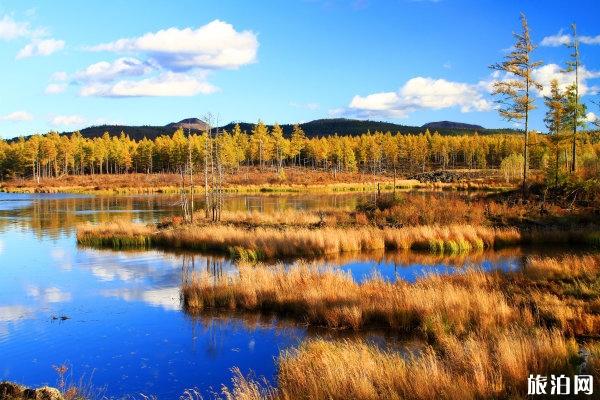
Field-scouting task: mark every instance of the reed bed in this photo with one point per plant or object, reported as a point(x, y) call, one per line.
point(489, 330)
point(116, 234)
point(566, 267)
point(269, 243)
point(477, 367)
point(331, 298)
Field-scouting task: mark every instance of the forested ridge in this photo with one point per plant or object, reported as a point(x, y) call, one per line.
point(54, 155)
point(319, 127)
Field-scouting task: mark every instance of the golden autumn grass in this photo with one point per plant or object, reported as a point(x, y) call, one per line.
point(474, 368)
point(255, 180)
point(332, 299)
point(242, 181)
point(488, 335)
point(434, 305)
point(269, 243)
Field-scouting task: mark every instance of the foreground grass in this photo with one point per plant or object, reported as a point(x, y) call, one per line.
point(474, 368)
point(487, 332)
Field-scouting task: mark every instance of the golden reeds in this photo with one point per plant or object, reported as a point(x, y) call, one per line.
point(331, 298)
point(269, 243)
point(474, 368)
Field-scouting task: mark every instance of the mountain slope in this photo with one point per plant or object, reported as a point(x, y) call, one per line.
point(452, 125)
point(319, 127)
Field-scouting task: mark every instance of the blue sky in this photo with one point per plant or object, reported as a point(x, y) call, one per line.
point(69, 64)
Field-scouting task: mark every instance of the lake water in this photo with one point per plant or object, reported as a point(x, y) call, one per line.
point(115, 318)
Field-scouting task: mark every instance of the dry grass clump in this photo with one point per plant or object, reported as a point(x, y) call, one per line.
point(289, 217)
point(567, 267)
point(331, 298)
point(268, 243)
point(561, 292)
point(477, 367)
point(424, 209)
point(115, 234)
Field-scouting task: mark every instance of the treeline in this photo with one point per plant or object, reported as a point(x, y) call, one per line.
point(54, 155)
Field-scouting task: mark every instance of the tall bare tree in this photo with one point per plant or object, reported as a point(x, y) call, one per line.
point(514, 89)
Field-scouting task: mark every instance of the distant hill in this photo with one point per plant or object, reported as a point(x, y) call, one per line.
point(319, 127)
point(452, 125)
point(189, 123)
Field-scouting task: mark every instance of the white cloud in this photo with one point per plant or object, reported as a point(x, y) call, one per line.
point(49, 295)
point(167, 298)
point(55, 88)
point(67, 120)
point(214, 45)
point(561, 39)
point(165, 84)
point(421, 93)
point(17, 116)
point(546, 73)
point(43, 47)
point(13, 313)
point(591, 117)
point(590, 39)
point(59, 76)
point(105, 71)
point(11, 29)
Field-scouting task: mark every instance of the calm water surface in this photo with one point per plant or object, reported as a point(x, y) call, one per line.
point(124, 328)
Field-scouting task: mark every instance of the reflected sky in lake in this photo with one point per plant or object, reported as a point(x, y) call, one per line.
point(115, 316)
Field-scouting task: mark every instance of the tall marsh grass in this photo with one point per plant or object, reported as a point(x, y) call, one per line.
point(269, 243)
point(332, 299)
point(477, 367)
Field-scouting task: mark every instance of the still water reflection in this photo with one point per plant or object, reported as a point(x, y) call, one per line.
point(116, 316)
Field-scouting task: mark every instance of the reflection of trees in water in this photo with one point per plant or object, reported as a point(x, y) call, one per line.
point(55, 217)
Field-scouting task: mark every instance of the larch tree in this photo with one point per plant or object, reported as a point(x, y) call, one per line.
point(554, 120)
point(574, 108)
point(514, 90)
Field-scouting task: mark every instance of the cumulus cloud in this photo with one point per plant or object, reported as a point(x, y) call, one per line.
point(561, 39)
point(67, 120)
point(55, 88)
point(105, 71)
point(168, 298)
point(216, 45)
point(420, 93)
point(590, 39)
point(39, 46)
point(43, 47)
point(546, 73)
point(14, 313)
point(591, 117)
point(165, 84)
point(17, 116)
point(11, 29)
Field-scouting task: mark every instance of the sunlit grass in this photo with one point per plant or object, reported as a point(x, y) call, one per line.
point(270, 243)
